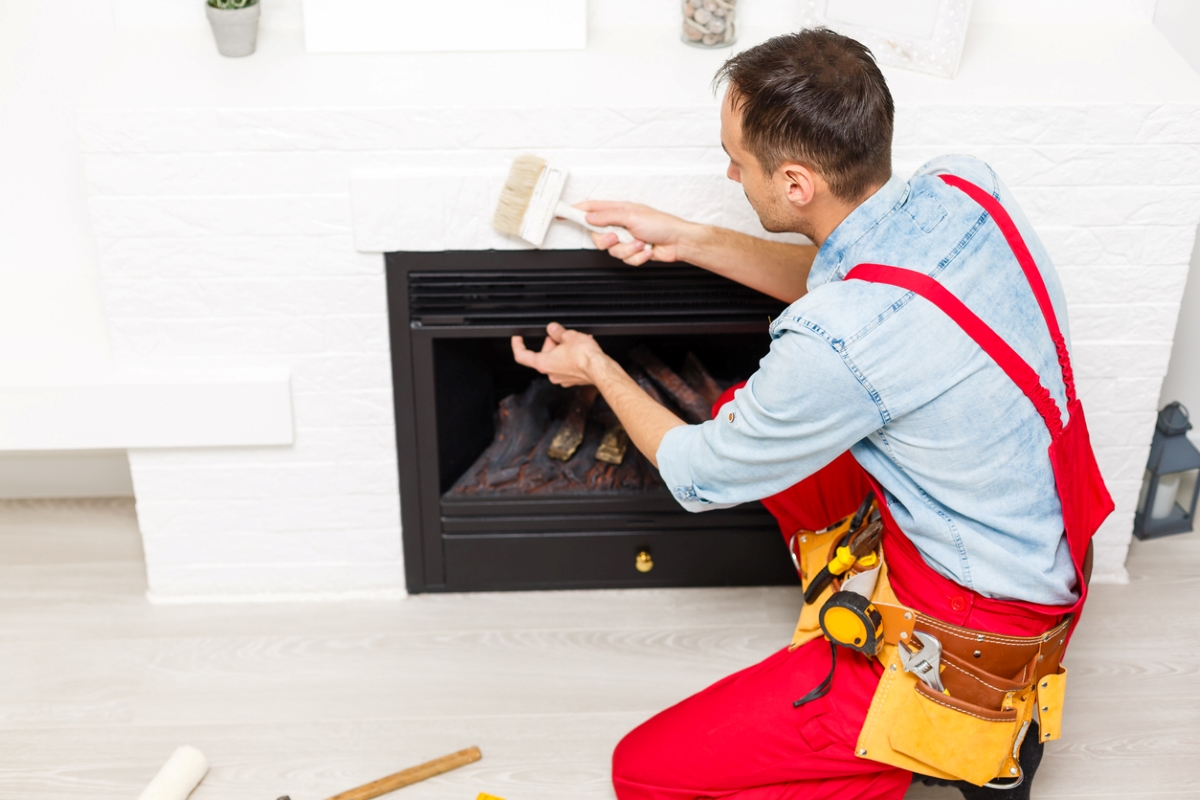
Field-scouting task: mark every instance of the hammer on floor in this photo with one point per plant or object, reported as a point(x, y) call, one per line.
point(409, 776)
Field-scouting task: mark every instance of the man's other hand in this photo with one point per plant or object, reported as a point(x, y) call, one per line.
point(662, 231)
point(567, 357)
point(571, 358)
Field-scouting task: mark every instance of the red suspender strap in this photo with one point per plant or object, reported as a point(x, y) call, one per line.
point(1032, 274)
point(1023, 375)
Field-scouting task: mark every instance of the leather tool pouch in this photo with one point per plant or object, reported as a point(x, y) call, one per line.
point(913, 727)
point(996, 684)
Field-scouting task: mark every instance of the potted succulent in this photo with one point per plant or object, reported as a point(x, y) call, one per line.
point(234, 24)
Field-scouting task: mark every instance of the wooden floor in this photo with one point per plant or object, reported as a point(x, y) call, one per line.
point(97, 687)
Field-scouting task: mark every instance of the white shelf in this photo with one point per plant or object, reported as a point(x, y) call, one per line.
point(134, 410)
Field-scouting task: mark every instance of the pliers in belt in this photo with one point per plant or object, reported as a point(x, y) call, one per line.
point(858, 543)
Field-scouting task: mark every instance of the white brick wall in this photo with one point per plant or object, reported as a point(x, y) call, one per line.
point(226, 237)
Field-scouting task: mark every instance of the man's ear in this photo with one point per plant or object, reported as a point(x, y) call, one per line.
point(800, 183)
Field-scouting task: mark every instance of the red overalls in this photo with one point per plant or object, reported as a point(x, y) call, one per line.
point(741, 737)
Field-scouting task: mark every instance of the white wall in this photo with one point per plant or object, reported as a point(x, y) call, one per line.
point(50, 320)
point(1179, 20)
point(142, 15)
point(1183, 375)
point(1063, 10)
point(51, 325)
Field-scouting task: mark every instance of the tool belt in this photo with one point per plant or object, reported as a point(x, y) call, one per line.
point(952, 702)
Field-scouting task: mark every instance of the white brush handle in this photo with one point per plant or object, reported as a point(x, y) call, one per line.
point(579, 217)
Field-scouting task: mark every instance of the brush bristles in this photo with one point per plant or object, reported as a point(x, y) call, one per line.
point(518, 191)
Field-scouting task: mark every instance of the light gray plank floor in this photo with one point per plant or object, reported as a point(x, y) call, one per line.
point(97, 687)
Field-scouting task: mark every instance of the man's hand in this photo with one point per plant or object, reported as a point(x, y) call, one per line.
point(571, 358)
point(566, 358)
point(775, 268)
point(649, 226)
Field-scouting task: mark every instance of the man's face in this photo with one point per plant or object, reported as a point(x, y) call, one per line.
point(766, 193)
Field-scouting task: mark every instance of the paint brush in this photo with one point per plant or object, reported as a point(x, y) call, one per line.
point(531, 199)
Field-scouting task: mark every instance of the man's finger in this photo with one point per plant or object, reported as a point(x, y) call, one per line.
point(615, 214)
point(604, 241)
point(599, 205)
point(554, 333)
point(640, 257)
point(522, 354)
point(627, 250)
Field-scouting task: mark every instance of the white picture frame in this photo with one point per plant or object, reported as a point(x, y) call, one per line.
point(921, 35)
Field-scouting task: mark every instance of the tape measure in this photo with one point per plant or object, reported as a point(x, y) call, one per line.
point(851, 620)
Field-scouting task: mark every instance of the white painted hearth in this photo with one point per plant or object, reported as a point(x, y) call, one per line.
point(240, 207)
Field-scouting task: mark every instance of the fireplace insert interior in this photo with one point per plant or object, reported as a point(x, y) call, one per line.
point(491, 496)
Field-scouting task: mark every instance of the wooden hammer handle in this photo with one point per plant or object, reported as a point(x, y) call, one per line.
point(411, 775)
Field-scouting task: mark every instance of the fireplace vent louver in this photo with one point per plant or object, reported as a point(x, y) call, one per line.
point(633, 295)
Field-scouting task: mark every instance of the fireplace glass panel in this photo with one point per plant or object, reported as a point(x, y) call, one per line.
point(472, 377)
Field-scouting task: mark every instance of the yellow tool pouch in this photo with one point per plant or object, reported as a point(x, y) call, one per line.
point(973, 731)
point(811, 551)
point(911, 726)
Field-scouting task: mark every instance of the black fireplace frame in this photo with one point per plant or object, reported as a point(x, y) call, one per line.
point(556, 542)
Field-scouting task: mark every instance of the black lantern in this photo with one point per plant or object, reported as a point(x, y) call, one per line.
point(1168, 501)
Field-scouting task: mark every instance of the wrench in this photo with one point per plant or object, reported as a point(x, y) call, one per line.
point(925, 663)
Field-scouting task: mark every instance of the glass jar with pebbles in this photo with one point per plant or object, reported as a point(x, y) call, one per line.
point(710, 23)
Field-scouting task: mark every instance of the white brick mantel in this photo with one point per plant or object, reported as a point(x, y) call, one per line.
point(221, 199)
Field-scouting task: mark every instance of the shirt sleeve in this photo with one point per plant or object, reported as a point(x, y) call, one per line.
point(803, 408)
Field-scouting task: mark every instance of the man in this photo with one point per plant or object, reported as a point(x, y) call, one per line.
point(948, 428)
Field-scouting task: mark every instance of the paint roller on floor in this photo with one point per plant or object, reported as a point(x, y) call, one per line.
point(181, 774)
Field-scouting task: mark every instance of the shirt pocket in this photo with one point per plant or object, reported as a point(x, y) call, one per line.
point(925, 209)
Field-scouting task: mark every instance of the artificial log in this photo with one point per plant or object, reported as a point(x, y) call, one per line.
point(554, 441)
point(521, 421)
point(569, 435)
point(614, 444)
point(692, 405)
point(700, 379)
point(647, 386)
point(518, 462)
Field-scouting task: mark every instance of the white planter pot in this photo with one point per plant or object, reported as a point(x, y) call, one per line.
point(235, 29)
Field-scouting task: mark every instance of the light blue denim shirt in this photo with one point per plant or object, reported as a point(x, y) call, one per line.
point(958, 448)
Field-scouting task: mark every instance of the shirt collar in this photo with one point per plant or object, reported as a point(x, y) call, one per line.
point(829, 263)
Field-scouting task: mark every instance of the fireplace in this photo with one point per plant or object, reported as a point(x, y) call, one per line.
point(482, 510)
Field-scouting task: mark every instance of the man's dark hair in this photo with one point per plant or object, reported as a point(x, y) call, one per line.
point(818, 98)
